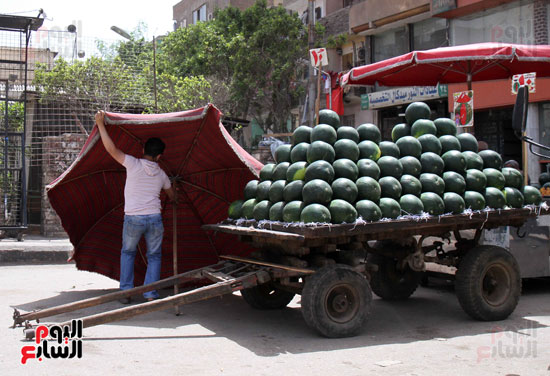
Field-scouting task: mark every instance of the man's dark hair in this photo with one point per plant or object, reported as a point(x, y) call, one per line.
point(153, 147)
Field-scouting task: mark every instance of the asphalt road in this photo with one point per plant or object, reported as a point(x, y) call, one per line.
point(428, 334)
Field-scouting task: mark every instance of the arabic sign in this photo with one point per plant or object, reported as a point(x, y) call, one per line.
point(402, 95)
point(318, 56)
point(522, 80)
point(464, 108)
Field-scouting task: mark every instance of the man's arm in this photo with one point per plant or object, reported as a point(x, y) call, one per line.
point(117, 154)
point(171, 193)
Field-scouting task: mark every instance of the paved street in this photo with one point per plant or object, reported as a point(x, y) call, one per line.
point(426, 335)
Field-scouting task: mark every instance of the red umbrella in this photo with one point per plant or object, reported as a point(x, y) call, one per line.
point(208, 168)
point(466, 63)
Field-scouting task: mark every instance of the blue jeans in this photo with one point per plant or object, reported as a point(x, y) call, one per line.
point(135, 226)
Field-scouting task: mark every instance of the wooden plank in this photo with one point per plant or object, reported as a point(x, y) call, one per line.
point(250, 231)
point(270, 264)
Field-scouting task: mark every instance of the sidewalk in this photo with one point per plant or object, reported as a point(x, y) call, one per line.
point(35, 249)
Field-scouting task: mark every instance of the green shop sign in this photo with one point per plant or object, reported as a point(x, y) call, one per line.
point(402, 95)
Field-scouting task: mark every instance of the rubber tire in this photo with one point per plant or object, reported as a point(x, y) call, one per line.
point(471, 281)
point(266, 297)
point(330, 283)
point(389, 283)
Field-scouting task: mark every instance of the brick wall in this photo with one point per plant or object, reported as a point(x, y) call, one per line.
point(59, 154)
point(541, 21)
point(336, 22)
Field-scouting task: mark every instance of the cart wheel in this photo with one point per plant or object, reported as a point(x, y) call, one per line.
point(391, 283)
point(267, 296)
point(488, 283)
point(336, 301)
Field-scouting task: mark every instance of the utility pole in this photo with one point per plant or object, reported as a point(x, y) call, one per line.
point(311, 82)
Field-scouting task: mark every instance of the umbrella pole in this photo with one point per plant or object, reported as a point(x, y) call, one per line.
point(175, 251)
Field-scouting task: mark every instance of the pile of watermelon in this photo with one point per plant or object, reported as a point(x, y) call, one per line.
point(337, 174)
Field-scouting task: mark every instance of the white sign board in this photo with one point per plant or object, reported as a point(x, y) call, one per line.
point(525, 79)
point(318, 57)
point(464, 108)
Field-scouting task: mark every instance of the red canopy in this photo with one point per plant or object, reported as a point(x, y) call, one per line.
point(466, 63)
point(208, 168)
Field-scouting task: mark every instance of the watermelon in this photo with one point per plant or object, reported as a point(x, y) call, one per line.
point(494, 198)
point(475, 180)
point(348, 133)
point(276, 211)
point(296, 171)
point(400, 130)
point(473, 160)
point(369, 150)
point(531, 195)
point(292, 211)
point(417, 110)
point(345, 168)
point(248, 208)
point(514, 198)
point(315, 213)
point(409, 146)
point(369, 132)
point(320, 150)
point(454, 182)
point(432, 163)
point(368, 210)
point(411, 166)
point(317, 191)
point(262, 193)
point(474, 200)
point(445, 126)
point(390, 166)
point(346, 149)
point(430, 143)
point(513, 177)
point(344, 189)
point(390, 208)
point(495, 178)
point(432, 183)
point(298, 153)
point(454, 203)
point(250, 189)
point(279, 172)
point(410, 185)
point(544, 178)
point(301, 134)
point(389, 149)
point(325, 133)
point(491, 159)
point(411, 204)
point(235, 210)
point(368, 167)
point(327, 116)
point(282, 154)
point(468, 142)
point(422, 127)
point(433, 204)
point(261, 210)
point(320, 170)
point(276, 190)
point(449, 143)
point(267, 171)
point(454, 161)
point(342, 211)
point(293, 191)
point(368, 189)
point(389, 187)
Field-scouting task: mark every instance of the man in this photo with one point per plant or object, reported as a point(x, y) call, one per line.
point(142, 217)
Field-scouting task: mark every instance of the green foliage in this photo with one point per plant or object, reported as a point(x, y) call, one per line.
point(16, 116)
point(176, 94)
point(336, 40)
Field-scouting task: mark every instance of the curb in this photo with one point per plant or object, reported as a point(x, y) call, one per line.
point(33, 257)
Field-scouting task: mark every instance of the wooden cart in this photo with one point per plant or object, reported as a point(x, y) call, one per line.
point(337, 267)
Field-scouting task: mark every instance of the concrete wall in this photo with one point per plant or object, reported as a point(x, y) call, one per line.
point(373, 10)
point(59, 154)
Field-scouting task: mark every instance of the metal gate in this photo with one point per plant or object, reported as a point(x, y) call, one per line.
point(15, 34)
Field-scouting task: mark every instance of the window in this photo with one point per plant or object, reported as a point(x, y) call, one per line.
point(390, 43)
point(199, 15)
point(318, 13)
point(430, 33)
point(346, 3)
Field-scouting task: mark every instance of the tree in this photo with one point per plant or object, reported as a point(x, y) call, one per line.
point(256, 52)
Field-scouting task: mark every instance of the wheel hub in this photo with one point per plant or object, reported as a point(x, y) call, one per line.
point(496, 284)
point(342, 303)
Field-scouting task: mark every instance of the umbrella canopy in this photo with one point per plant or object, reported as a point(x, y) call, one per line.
point(208, 168)
point(456, 64)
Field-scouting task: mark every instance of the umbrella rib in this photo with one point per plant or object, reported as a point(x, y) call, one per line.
point(195, 140)
point(95, 224)
point(204, 190)
point(89, 174)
